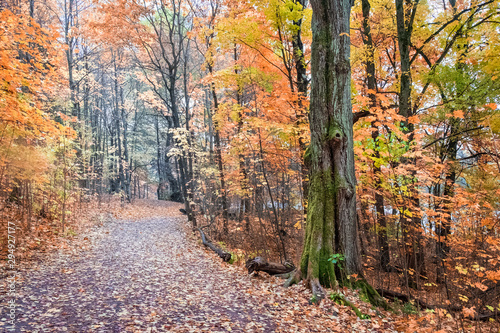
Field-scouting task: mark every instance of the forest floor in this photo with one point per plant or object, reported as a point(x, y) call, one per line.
point(145, 271)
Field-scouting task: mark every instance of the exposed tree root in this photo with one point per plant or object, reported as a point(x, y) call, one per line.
point(405, 298)
point(293, 278)
point(423, 305)
point(371, 294)
point(317, 291)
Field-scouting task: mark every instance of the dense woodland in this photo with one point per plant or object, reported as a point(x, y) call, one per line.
point(230, 108)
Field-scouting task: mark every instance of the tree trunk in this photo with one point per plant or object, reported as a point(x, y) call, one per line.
point(218, 157)
point(443, 229)
point(331, 217)
point(117, 121)
point(162, 188)
point(411, 225)
point(302, 88)
point(226, 256)
point(372, 88)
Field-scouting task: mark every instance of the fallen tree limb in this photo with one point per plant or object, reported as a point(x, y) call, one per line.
point(405, 298)
point(221, 253)
point(454, 308)
point(259, 264)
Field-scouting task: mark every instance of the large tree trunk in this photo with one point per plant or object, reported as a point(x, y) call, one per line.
point(331, 217)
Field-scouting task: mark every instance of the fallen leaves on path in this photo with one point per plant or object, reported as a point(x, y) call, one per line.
point(152, 275)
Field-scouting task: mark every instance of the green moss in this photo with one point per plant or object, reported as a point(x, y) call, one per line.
point(308, 155)
point(318, 245)
point(406, 308)
point(334, 131)
point(370, 294)
point(340, 299)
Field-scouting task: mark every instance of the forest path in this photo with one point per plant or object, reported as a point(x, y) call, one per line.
point(139, 275)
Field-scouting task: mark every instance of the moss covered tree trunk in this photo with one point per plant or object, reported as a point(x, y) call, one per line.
point(331, 215)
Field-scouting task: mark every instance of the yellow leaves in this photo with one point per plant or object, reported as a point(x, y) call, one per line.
point(494, 123)
point(478, 268)
point(461, 269)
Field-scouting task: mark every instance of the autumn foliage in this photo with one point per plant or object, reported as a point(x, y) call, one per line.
point(206, 102)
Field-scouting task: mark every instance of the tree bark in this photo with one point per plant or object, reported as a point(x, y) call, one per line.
point(331, 217)
point(259, 264)
point(218, 157)
point(221, 253)
point(372, 88)
point(411, 225)
point(302, 88)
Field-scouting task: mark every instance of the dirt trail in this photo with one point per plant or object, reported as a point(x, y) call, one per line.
point(145, 272)
point(138, 276)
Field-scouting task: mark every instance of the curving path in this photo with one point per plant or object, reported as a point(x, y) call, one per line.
point(140, 273)
point(139, 276)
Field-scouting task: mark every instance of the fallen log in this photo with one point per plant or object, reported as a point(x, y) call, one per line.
point(221, 253)
point(404, 298)
point(259, 264)
point(423, 305)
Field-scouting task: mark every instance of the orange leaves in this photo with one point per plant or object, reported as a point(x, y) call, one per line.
point(29, 78)
point(469, 312)
point(26, 68)
point(456, 114)
point(492, 106)
point(493, 275)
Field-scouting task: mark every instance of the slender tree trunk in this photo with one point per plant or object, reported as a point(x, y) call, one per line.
point(117, 123)
point(372, 88)
point(411, 225)
point(443, 230)
point(245, 201)
point(302, 88)
point(218, 158)
point(190, 185)
point(183, 171)
point(162, 190)
point(127, 167)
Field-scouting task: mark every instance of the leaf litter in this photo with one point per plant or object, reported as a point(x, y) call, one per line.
point(145, 271)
